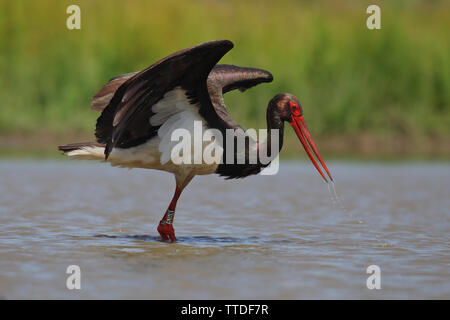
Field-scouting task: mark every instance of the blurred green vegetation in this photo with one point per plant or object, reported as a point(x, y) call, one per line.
point(350, 80)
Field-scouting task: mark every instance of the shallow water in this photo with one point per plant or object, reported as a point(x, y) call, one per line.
point(263, 237)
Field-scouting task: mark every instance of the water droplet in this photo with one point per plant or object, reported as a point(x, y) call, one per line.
point(334, 196)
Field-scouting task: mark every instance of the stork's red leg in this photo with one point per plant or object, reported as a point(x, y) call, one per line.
point(165, 227)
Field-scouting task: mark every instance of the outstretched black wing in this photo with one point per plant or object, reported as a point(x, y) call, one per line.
point(125, 121)
point(224, 78)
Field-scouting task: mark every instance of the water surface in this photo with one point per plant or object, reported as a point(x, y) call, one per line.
point(263, 237)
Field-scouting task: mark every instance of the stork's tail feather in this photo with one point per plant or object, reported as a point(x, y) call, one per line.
point(84, 150)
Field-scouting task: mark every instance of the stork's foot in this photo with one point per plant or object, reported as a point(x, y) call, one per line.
point(166, 231)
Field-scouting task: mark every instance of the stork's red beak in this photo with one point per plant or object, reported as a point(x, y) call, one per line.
point(299, 125)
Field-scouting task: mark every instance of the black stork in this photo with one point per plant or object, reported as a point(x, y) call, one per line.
point(141, 109)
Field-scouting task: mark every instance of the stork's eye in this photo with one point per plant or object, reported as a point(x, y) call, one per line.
point(295, 109)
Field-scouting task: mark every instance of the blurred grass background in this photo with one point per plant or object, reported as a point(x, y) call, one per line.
point(363, 92)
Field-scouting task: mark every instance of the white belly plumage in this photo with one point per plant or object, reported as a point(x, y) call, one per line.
point(145, 156)
point(172, 112)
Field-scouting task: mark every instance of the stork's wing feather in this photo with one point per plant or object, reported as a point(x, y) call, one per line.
point(224, 78)
point(102, 98)
point(230, 77)
point(126, 118)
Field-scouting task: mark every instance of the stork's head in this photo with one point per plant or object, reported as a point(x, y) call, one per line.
point(289, 109)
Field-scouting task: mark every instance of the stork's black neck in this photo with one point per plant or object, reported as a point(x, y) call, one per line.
point(235, 170)
point(274, 122)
